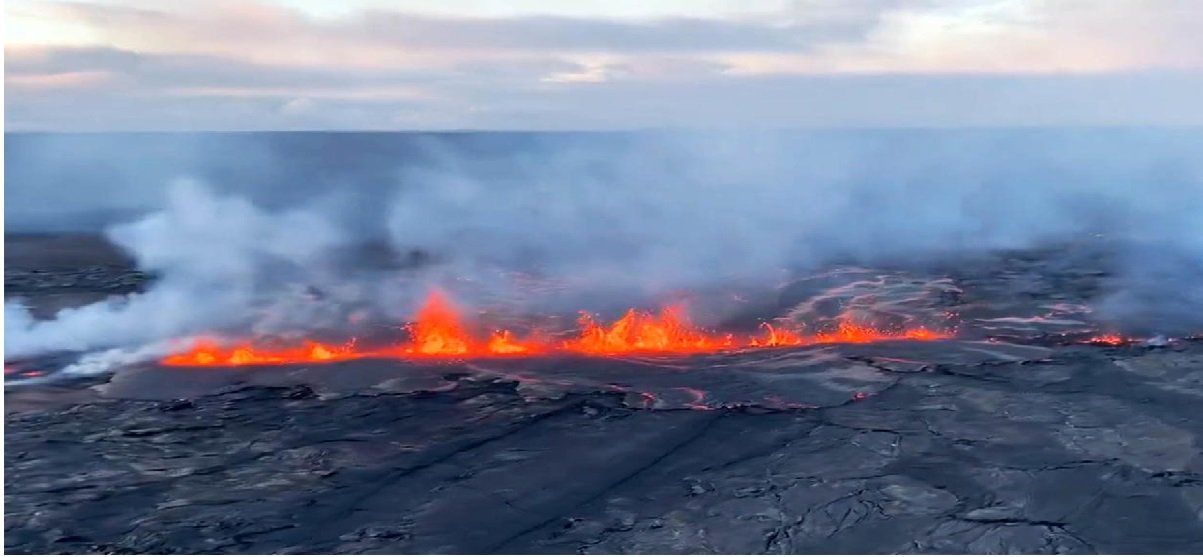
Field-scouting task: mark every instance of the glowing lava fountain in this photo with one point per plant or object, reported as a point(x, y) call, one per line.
point(439, 333)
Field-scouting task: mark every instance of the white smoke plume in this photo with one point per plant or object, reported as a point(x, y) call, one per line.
point(216, 256)
point(611, 219)
point(667, 211)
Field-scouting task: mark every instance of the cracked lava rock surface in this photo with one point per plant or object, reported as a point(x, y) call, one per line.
point(1026, 444)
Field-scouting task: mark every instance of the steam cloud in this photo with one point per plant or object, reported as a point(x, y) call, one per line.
point(217, 256)
point(629, 216)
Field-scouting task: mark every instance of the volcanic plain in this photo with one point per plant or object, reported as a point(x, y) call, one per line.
point(1035, 428)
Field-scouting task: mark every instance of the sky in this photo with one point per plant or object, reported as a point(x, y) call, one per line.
point(116, 65)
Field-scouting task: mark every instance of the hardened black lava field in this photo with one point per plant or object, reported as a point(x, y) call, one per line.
point(1031, 431)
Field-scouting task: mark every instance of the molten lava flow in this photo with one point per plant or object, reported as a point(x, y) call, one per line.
point(851, 333)
point(503, 342)
point(207, 353)
point(846, 333)
point(638, 331)
point(1107, 340)
point(776, 337)
point(438, 332)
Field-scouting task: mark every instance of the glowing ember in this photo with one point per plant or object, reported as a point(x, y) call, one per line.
point(438, 332)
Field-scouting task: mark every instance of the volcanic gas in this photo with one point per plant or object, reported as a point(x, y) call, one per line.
point(439, 332)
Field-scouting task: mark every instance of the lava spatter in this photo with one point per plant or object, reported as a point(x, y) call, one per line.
point(640, 331)
point(1109, 339)
point(438, 332)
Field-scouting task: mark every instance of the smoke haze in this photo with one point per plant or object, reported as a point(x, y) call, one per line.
point(261, 221)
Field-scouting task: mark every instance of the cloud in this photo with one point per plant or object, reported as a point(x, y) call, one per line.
point(189, 70)
point(665, 35)
point(240, 22)
point(718, 101)
point(237, 64)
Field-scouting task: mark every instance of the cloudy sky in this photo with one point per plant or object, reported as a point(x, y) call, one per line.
point(596, 64)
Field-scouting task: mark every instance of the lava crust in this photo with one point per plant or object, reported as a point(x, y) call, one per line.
point(1020, 435)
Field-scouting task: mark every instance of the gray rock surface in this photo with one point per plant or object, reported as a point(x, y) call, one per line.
point(1030, 444)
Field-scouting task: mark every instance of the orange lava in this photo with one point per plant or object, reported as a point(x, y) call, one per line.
point(1107, 340)
point(209, 353)
point(850, 333)
point(776, 337)
point(503, 342)
point(640, 331)
point(438, 332)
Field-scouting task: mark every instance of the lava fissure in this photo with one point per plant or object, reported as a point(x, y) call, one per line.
point(438, 332)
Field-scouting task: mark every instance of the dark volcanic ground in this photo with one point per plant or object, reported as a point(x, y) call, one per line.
point(1030, 442)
